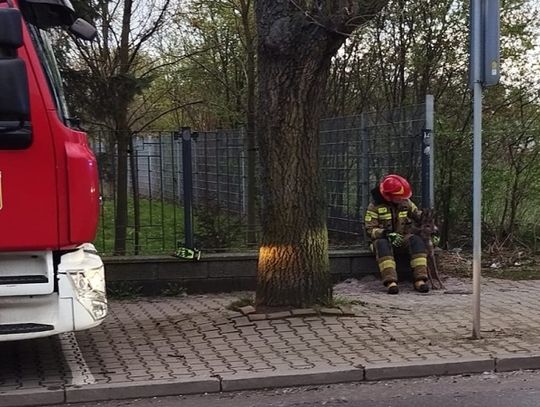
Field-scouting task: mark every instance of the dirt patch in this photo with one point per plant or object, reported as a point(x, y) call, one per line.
point(507, 265)
point(370, 284)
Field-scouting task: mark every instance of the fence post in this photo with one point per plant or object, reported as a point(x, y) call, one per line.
point(366, 188)
point(134, 166)
point(188, 186)
point(243, 174)
point(428, 196)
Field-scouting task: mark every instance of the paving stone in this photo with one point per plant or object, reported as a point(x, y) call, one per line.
point(347, 310)
point(227, 329)
point(207, 327)
point(278, 315)
point(222, 321)
point(331, 311)
point(248, 310)
point(242, 321)
point(143, 342)
point(264, 325)
point(303, 312)
point(257, 317)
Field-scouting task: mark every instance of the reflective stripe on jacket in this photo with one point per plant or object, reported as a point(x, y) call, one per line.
point(391, 217)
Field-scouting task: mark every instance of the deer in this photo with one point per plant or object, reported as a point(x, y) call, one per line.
point(425, 228)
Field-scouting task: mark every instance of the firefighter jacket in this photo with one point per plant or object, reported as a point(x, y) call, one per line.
point(382, 216)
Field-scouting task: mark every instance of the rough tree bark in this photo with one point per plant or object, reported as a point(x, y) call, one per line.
point(246, 12)
point(296, 42)
point(124, 138)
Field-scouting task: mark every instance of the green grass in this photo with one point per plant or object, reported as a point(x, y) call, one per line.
point(162, 225)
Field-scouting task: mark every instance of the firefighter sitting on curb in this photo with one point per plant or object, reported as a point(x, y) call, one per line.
point(388, 224)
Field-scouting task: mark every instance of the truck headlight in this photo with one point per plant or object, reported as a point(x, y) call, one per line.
point(89, 286)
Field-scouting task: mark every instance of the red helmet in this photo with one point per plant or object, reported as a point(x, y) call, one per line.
point(395, 187)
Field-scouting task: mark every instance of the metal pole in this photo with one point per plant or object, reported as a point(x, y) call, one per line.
point(188, 187)
point(366, 188)
point(430, 126)
point(476, 60)
point(425, 177)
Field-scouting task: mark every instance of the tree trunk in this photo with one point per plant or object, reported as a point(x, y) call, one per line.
point(251, 77)
point(124, 137)
point(121, 210)
point(296, 43)
point(293, 258)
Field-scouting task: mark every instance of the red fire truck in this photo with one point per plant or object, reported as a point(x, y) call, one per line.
point(51, 279)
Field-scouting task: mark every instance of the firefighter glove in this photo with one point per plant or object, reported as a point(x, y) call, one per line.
point(187, 253)
point(396, 239)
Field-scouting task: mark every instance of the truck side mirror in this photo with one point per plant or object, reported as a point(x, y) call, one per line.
point(57, 13)
point(14, 98)
point(83, 30)
point(14, 93)
point(10, 28)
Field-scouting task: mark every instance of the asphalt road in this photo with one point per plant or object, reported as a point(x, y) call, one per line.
point(516, 389)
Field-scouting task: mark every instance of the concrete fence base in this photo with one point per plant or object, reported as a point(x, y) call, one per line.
point(222, 272)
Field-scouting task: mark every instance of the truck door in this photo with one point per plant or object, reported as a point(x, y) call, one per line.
point(28, 184)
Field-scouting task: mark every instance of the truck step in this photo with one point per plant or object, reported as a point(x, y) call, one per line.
point(37, 279)
point(26, 273)
point(10, 329)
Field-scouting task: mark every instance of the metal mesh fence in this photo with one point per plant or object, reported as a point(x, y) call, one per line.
point(356, 152)
point(156, 183)
point(219, 169)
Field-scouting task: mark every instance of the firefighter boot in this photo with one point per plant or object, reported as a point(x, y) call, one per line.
point(387, 265)
point(419, 266)
point(392, 288)
point(421, 286)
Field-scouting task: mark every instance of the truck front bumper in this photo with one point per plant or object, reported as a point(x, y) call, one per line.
point(78, 303)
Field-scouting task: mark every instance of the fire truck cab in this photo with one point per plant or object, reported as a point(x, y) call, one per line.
point(51, 279)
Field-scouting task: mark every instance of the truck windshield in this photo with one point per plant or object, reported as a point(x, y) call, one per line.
point(48, 61)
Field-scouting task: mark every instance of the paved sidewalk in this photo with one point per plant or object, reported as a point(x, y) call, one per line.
point(165, 346)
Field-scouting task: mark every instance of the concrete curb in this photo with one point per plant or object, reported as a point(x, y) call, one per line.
point(254, 381)
point(257, 381)
point(31, 397)
point(428, 368)
point(154, 388)
point(510, 362)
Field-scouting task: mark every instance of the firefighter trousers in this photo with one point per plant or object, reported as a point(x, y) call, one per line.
point(414, 246)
